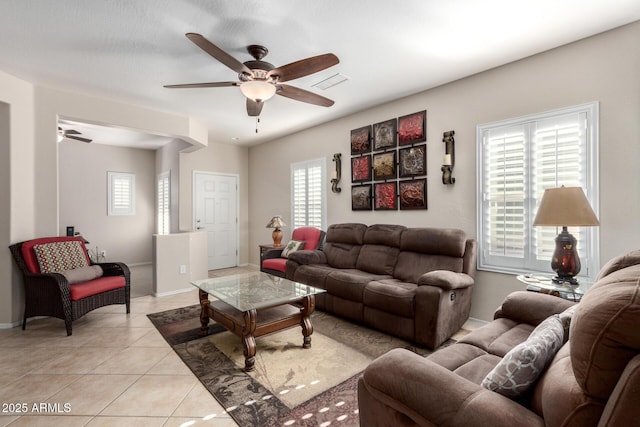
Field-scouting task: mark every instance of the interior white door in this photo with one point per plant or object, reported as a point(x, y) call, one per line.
point(215, 199)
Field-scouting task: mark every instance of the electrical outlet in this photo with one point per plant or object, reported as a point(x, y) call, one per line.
point(103, 253)
point(183, 269)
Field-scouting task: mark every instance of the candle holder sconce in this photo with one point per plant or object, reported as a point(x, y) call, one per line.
point(449, 157)
point(337, 174)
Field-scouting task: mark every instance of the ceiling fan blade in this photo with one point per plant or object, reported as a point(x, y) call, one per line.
point(303, 95)
point(304, 67)
point(193, 85)
point(218, 53)
point(71, 132)
point(254, 108)
point(78, 138)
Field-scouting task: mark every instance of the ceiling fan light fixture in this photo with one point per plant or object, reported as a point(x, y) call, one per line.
point(258, 90)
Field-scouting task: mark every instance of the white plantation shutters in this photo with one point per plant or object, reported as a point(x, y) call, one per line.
point(163, 197)
point(308, 194)
point(121, 193)
point(518, 159)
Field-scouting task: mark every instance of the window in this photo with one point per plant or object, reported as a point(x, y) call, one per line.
point(122, 193)
point(164, 202)
point(517, 160)
point(308, 194)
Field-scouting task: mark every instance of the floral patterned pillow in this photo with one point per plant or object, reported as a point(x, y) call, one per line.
point(520, 368)
point(292, 247)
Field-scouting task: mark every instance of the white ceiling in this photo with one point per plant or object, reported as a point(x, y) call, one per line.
point(128, 49)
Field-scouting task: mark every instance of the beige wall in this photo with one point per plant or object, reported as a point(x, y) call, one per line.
point(168, 159)
point(18, 185)
point(603, 68)
point(83, 198)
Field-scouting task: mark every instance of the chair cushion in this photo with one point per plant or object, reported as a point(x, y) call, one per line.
point(83, 274)
point(96, 286)
point(309, 235)
point(278, 264)
point(59, 256)
point(29, 255)
point(520, 368)
point(291, 247)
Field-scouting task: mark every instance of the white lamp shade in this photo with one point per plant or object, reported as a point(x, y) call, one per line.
point(257, 90)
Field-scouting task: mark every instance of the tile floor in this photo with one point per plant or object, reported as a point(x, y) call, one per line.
point(115, 369)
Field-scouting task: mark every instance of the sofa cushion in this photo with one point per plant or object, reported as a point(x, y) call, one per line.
point(59, 256)
point(499, 336)
point(342, 255)
point(83, 274)
point(391, 296)
point(96, 286)
point(377, 259)
point(291, 247)
point(349, 283)
point(441, 241)
point(351, 233)
point(313, 274)
point(521, 366)
point(604, 332)
point(412, 265)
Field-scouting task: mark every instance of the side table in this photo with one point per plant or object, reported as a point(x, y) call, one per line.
point(544, 284)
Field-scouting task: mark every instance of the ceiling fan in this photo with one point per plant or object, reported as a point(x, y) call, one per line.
point(71, 134)
point(260, 80)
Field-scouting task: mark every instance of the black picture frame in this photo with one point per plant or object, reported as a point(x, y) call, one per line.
point(412, 128)
point(412, 161)
point(385, 196)
point(384, 166)
point(361, 168)
point(412, 194)
point(361, 140)
point(361, 197)
point(385, 135)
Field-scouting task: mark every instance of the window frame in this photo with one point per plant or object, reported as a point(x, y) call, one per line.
point(307, 164)
point(130, 209)
point(591, 244)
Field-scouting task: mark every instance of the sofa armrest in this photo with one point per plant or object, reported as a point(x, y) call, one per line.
point(531, 307)
point(308, 256)
point(403, 382)
point(446, 279)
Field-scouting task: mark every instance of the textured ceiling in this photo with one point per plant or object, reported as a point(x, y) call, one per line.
point(128, 49)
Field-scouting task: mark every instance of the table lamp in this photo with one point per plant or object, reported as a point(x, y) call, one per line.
point(276, 223)
point(562, 207)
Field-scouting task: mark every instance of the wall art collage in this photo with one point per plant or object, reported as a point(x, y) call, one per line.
point(389, 164)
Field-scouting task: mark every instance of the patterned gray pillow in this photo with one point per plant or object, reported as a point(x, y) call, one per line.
point(520, 368)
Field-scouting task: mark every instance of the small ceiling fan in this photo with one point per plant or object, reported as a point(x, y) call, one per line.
point(71, 134)
point(260, 80)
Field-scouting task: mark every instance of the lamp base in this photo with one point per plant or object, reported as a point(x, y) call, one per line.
point(277, 238)
point(565, 261)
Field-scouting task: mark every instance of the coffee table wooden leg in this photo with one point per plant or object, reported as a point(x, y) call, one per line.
point(204, 312)
point(308, 306)
point(248, 340)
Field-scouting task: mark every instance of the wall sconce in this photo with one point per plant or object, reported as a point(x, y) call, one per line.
point(336, 175)
point(449, 159)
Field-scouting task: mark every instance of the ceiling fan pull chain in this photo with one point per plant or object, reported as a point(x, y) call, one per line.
point(257, 121)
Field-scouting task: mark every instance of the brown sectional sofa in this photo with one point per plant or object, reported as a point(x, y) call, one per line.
point(414, 283)
point(592, 380)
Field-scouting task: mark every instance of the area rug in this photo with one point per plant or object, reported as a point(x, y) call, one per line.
point(290, 386)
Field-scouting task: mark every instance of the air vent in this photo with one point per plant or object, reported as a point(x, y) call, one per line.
point(331, 81)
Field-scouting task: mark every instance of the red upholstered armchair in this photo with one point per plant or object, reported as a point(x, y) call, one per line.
point(274, 262)
point(60, 280)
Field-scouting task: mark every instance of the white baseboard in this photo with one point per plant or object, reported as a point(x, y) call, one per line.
point(179, 291)
point(138, 264)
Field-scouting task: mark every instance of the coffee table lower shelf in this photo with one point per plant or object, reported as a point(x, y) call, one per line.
point(248, 325)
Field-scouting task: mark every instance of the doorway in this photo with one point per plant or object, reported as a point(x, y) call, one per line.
point(216, 211)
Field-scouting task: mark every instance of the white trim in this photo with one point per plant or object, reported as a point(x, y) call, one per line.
point(168, 294)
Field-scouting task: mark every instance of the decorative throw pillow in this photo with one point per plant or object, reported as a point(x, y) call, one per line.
point(83, 274)
point(520, 368)
point(292, 247)
point(60, 256)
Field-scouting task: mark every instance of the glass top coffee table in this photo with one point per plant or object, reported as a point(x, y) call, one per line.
point(254, 304)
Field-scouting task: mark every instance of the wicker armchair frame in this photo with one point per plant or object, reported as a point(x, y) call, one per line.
point(49, 294)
